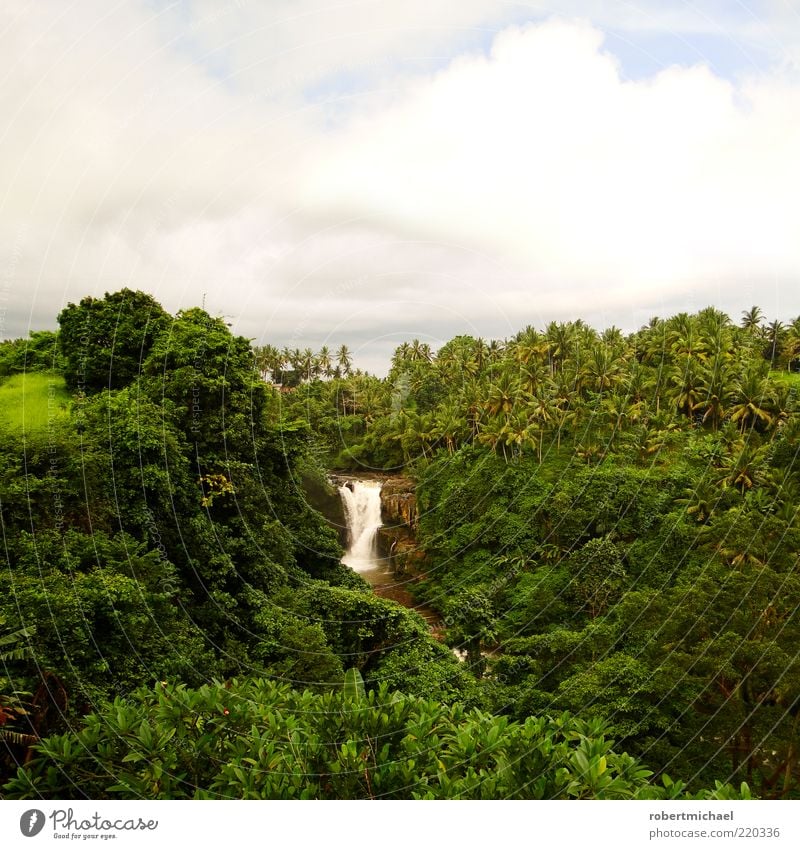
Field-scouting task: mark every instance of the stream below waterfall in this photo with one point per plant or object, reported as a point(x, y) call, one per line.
point(362, 509)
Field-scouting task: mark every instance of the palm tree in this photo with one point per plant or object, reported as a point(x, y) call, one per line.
point(646, 441)
point(602, 368)
point(400, 357)
point(774, 335)
point(701, 500)
point(751, 319)
point(618, 412)
point(680, 324)
point(712, 407)
point(783, 403)
point(420, 351)
point(502, 395)
point(344, 360)
point(541, 413)
point(686, 385)
point(285, 363)
point(562, 416)
point(491, 433)
point(688, 342)
point(307, 363)
point(529, 347)
point(14, 645)
point(790, 353)
point(261, 361)
point(325, 361)
point(714, 395)
point(713, 321)
point(532, 376)
point(652, 343)
point(274, 361)
point(560, 339)
point(514, 434)
point(494, 351)
point(743, 471)
point(613, 338)
point(753, 398)
point(480, 353)
point(450, 426)
point(461, 358)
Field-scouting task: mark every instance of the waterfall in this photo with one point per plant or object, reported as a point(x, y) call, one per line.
point(362, 509)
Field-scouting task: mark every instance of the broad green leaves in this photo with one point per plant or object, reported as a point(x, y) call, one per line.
point(255, 739)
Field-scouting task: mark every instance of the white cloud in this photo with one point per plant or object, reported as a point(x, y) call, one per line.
point(543, 155)
point(173, 151)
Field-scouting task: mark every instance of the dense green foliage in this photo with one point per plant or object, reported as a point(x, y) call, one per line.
point(154, 530)
point(39, 352)
point(259, 740)
point(610, 529)
point(610, 525)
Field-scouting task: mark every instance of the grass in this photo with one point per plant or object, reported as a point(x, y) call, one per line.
point(30, 402)
point(788, 378)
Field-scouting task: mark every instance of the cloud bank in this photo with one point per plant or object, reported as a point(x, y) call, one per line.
point(375, 173)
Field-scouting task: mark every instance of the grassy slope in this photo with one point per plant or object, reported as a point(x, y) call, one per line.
point(787, 378)
point(29, 401)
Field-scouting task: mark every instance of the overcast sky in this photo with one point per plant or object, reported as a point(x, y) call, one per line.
point(368, 172)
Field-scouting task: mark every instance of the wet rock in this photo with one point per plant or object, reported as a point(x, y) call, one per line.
point(397, 538)
point(399, 502)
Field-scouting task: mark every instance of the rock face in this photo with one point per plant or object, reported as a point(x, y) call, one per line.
point(397, 538)
point(399, 502)
point(324, 497)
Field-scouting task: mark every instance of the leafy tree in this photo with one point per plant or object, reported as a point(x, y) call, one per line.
point(106, 340)
point(598, 575)
point(202, 376)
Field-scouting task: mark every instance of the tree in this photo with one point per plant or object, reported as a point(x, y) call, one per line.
point(502, 395)
point(791, 346)
point(344, 360)
point(751, 408)
point(472, 622)
point(598, 575)
point(715, 395)
point(775, 336)
point(39, 352)
point(325, 361)
point(13, 647)
point(202, 374)
point(105, 341)
point(751, 320)
point(686, 385)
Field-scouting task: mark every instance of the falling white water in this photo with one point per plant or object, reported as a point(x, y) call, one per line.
point(362, 509)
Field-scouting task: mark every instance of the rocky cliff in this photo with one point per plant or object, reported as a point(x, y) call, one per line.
point(397, 538)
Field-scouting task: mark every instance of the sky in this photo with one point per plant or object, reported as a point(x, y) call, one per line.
point(370, 172)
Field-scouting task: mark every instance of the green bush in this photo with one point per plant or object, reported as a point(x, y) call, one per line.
point(255, 739)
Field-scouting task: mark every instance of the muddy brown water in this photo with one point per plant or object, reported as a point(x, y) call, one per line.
point(385, 584)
